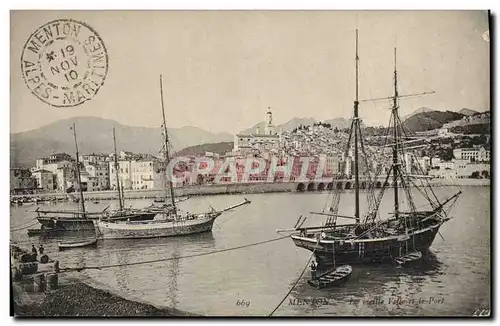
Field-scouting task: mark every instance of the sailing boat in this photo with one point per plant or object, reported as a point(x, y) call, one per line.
point(123, 213)
point(173, 222)
point(68, 220)
point(371, 239)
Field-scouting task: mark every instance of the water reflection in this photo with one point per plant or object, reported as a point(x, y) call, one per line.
point(374, 289)
point(121, 272)
point(173, 273)
point(212, 284)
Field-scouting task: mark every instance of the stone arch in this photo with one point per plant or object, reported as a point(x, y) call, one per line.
point(321, 186)
point(330, 186)
point(378, 184)
point(348, 185)
point(310, 187)
point(339, 185)
point(301, 187)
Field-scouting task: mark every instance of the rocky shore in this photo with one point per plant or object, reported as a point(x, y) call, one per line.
point(76, 299)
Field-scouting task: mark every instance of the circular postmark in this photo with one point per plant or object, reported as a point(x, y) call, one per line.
point(64, 63)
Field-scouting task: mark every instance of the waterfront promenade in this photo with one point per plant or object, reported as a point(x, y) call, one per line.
point(247, 188)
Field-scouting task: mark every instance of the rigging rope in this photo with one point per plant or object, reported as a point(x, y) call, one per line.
point(370, 193)
point(426, 184)
point(24, 223)
point(297, 281)
point(335, 193)
point(70, 269)
point(25, 227)
point(376, 204)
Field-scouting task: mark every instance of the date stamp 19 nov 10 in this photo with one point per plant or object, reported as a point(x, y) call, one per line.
point(64, 63)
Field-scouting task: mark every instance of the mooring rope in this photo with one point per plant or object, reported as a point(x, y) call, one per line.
point(24, 223)
point(24, 227)
point(70, 269)
point(297, 281)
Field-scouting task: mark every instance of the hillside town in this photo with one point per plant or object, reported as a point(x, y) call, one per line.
point(438, 153)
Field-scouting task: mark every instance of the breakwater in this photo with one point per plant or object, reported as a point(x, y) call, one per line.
point(248, 188)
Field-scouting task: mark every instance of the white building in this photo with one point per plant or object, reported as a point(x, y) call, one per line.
point(443, 173)
point(99, 171)
point(476, 154)
point(43, 164)
point(64, 178)
point(44, 179)
point(465, 170)
point(435, 161)
point(148, 174)
point(443, 165)
point(425, 163)
point(94, 158)
point(124, 173)
point(258, 142)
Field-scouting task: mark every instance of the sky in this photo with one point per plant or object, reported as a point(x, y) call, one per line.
point(222, 69)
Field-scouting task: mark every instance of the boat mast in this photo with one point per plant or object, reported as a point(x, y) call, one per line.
point(117, 175)
point(167, 157)
point(356, 128)
point(78, 171)
point(395, 160)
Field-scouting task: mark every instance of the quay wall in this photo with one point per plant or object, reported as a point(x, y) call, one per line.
point(247, 188)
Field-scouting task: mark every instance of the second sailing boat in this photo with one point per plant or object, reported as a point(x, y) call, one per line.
point(124, 213)
point(172, 222)
point(64, 220)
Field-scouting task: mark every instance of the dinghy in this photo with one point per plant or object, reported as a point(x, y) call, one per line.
point(334, 277)
point(77, 244)
point(409, 258)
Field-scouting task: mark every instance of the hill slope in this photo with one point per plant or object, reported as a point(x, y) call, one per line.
point(95, 135)
point(219, 148)
point(340, 123)
point(431, 120)
point(467, 112)
point(287, 126)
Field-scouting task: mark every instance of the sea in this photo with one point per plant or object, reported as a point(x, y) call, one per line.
point(454, 279)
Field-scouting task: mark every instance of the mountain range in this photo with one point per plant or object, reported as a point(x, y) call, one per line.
point(468, 112)
point(95, 136)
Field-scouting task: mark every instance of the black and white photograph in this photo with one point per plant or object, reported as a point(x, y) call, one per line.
point(250, 163)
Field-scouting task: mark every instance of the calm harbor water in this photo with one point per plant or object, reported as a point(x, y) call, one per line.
point(454, 280)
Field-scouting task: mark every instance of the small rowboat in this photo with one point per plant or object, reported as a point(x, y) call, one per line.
point(334, 277)
point(409, 258)
point(76, 244)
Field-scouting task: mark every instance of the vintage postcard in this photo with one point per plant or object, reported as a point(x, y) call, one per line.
point(250, 163)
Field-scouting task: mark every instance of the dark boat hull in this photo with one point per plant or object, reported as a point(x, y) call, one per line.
point(66, 224)
point(323, 285)
point(76, 224)
point(367, 251)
